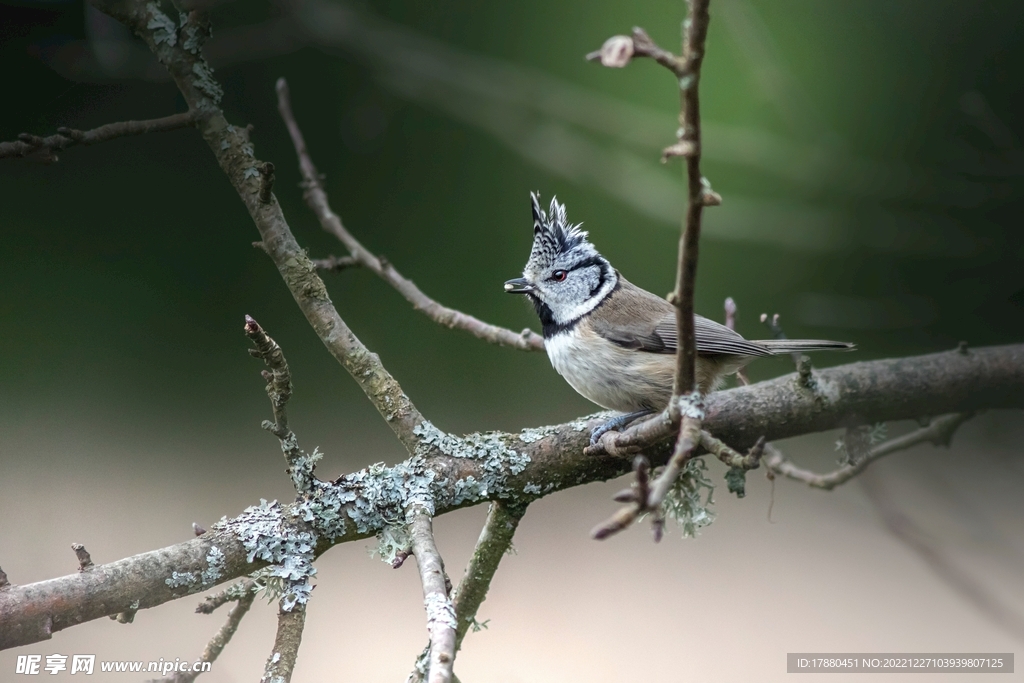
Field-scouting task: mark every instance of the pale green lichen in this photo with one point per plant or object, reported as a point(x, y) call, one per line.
point(214, 567)
point(193, 35)
point(179, 579)
point(268, 536)
point(685, 504)
point(532, 489)
point(379, 495)
point(440, 611)
point(302, 464)
point(251, 172)
point(497, 461)
point(533, 434)
point(392, 540)
point(206, 82)
point(163, 28)
point(322, 508)
point(375, 499)
point(858, 442)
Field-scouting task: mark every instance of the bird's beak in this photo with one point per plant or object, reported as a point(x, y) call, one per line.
point(518, 286)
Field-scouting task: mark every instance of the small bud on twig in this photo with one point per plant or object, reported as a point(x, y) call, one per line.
point(84, 560)
point(616, 52)
point(683, 148)
point(198, 530)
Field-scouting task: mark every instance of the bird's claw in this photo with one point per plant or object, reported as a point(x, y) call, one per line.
point(615, 424)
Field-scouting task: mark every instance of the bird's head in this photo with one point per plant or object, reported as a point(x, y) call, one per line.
point(565, 276)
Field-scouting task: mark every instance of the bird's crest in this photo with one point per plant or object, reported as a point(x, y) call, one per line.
point(552, 233)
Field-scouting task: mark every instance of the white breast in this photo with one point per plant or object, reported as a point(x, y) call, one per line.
point(609, 375)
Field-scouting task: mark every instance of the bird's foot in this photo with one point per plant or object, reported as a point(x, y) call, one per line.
point(616, 424)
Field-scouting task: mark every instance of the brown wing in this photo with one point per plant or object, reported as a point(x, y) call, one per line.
point(712, 338)
point(636, 319)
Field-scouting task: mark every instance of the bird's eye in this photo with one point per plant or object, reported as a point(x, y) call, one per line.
point(558, 275)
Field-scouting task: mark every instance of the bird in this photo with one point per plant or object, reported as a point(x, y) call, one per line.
point(613, 342)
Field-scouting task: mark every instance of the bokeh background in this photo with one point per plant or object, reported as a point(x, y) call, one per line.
point(870, 162)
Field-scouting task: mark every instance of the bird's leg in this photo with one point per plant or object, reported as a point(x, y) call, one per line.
point(617, 423)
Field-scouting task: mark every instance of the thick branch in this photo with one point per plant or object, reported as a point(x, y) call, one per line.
point(46, 148)
point(34, 612)
point(316, 199)
point(551, 459)
point(234, 153)
point(441, 622)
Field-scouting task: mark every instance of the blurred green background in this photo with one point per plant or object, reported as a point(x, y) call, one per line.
point(868, 155)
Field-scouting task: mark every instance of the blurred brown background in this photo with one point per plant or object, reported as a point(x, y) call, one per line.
point(870, 163)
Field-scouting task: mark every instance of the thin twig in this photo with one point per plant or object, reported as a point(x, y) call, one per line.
point(45, 148)
point(699, 195)
point(492, 546)
point(635, 497)
point(731, 312)
point(731, 457)
point(939, 432)
point(689, 438)
point(243, 594)
point(232, 593)
point(685, 393)
point(279, 378)
point(335, 263)
point(316, 199)
point(84, 559)
point(301, 465)
point(281, 662)
point(441, 623)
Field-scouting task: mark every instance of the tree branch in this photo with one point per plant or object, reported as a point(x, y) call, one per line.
point(243, 595)
point(301, 465)
point(281, 662)
point(234, 152)
point(695, 31)
point(494, 543)
point(459, 472)
point(441, 622)
point(46, 148)
point(316, 199)
point(939, 433)
point(685, 392)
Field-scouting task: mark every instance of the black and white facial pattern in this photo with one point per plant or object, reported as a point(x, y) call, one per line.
point(569, 277)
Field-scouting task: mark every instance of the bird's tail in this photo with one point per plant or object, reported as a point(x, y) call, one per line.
point(802, 345)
